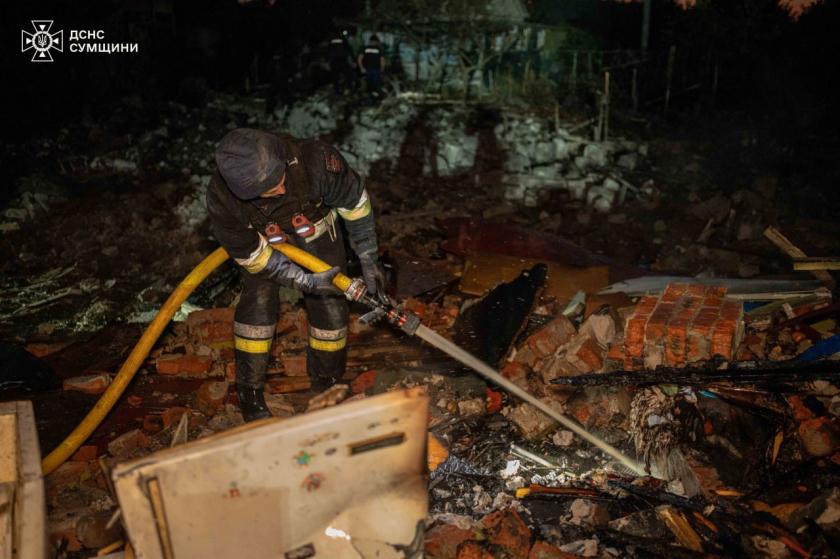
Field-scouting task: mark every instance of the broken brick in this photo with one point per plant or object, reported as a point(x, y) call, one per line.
point(294, 365)
point(586, 355)
point(40, 350)
point(134, 401)
point(472, 550)
point(173, 415)
point(198, 318)
point(443, 540)
point(547, 339)
point(513, 370)
point(217, 335)
point(86, 453)
point(801, 412)
point(544, 550)
point(89, 384)
point(192, 365)
point(363, 382)
point(211, 396)
point(525, 355)
point(819, 436)
point(506, 529)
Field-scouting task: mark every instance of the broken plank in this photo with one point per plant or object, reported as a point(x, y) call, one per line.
point(756, 374)
point(817, 263)
point(783, 243)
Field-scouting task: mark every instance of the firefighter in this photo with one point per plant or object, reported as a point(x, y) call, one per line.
point(340, 57)
point(269, 187)
point(372, 64)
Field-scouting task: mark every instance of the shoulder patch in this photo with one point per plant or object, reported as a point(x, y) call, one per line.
point(332, 162)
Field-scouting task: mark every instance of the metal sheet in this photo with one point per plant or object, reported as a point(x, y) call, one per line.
point(348, 481)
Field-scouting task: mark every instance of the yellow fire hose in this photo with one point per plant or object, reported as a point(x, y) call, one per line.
point(92, 420)
point(354, 290)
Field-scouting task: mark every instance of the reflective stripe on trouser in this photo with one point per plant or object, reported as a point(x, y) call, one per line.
point(326, 353)
point(253, 328)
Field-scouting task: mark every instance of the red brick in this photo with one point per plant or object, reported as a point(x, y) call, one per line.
point(40, 350)
point(506, 529)
point(696, 290)
point(551, 336)
point(294, 365)
point(363, 382)
point(588, 357)
point(134, 400)
point(442, 541)
point(217, 335)
point(800, 411)
point(634, 330)
point(646, 305)
point(85, 453)
point(544, 550)
point(657, 324)
point(514, 371)
point(716, 291)
point(173, 415)
point(95, 383)
point(675, 346)
point(192, 365)
point(673, 292)
point(731, 310)
point(230, 371)
point(221, 314)
point(616, 352)
point(211, 396)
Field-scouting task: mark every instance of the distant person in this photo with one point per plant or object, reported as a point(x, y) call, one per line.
point(372, 64)
point(340, 58)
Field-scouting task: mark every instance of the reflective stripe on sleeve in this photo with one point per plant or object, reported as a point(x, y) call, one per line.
point(361, 209)
point(257, 260)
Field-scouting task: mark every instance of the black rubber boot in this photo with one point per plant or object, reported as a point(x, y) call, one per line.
point(250, 383)
point(252, 403)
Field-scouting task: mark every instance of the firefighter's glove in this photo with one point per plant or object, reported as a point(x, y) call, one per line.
point(320, 283)
point(374, 276)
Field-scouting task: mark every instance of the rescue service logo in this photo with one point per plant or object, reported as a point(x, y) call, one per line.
point(41, 42)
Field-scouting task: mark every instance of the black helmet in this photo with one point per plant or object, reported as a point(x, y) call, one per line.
point(251, 161)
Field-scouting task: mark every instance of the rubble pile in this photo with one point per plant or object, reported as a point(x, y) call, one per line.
point(377, 134)
point(539, 160)
point(311, 117)
point(454, 147)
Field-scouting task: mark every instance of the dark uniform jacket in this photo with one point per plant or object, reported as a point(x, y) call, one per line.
point(318, 180)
